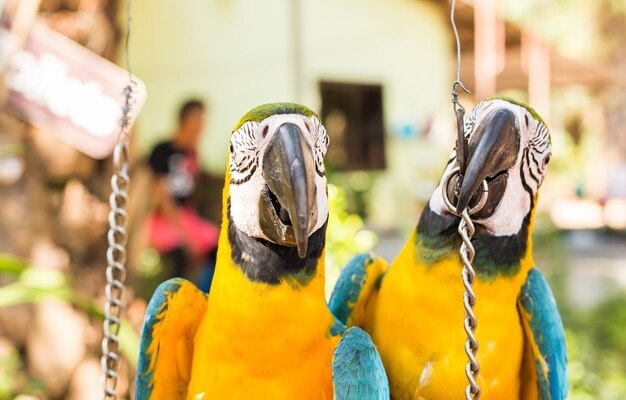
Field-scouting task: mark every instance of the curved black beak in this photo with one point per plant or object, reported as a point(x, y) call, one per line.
point(493, 149)
point(288, 209)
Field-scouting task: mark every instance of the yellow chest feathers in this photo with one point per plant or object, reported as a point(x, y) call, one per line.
point(416, 320)
point(261, 341)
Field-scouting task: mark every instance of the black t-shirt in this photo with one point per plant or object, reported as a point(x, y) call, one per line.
point(179, 167)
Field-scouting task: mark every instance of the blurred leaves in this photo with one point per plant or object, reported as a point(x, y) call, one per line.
point(31, 285)
point(597, 347)
point(10, 264)
point(346, 235)
point(35, 285)
point(607, 325)
point(10, 363)
point(596, 337)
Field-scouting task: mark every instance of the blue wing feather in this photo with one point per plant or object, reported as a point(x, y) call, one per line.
point(358, 372)
point(157, 304)
point(157, 313)
point(360, 276)
point(546, 335)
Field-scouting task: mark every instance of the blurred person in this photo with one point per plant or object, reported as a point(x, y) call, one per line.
point(186, 242)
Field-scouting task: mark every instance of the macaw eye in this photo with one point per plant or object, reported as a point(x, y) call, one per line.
point(546, 160)
point(235, 153)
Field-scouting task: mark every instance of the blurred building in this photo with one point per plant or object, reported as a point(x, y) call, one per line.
point(578, 91)
point(379, 73)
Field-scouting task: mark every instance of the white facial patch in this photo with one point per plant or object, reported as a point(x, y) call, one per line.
point(244, 205)
point(248, 145)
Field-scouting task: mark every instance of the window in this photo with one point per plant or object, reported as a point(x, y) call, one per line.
point(353, 117)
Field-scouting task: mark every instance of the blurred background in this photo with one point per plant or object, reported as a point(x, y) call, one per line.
point(378, 72)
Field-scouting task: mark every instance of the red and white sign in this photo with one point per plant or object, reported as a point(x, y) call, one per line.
point(62, 87)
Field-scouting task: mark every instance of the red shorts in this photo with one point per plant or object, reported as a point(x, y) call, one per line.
point(201, 235)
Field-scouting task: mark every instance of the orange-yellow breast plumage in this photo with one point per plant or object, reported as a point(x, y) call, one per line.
point(260, 341)
point(416, 320)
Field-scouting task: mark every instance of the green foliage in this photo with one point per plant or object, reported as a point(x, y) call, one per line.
point(11, 265)
point(596, 337)
point(597, 345)
point(346, 235)
point(607, 325)
point(32, 285)
point(10, 364)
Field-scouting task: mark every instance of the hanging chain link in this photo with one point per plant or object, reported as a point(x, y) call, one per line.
point(466, 230)
point(117, 237)
point(467, 252)
point(466, 227)
point(115, 271)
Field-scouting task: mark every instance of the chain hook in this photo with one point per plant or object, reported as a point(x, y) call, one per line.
point(456, 104)
point(457, 82)
point(462, 147)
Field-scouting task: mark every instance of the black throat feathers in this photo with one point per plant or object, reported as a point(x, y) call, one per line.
point(265, 262)
point(437, 238)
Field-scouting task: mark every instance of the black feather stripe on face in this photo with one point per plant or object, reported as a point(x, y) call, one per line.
point(532, 155)
point(525, 185)
point(321, 143)
point(244, 154)
point(527, 165)
point(245, 179)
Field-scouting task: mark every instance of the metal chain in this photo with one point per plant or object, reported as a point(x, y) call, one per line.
point(466, 227)
point(117, 237)
point(466, 230)
point(467, 253)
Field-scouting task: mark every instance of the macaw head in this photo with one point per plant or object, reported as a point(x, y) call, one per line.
point(510, 149)
point(277, 194)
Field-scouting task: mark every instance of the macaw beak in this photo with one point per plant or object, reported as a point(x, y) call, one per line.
point(493, 149)
point(287, 206)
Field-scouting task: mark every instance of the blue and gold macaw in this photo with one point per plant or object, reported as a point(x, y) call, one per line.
point(414, 310)
point(264, 331)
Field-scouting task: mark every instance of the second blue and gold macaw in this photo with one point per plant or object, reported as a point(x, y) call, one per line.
point(264, 331)
point(414, 310)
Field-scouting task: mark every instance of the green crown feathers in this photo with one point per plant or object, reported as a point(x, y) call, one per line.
point(531, 110)
point(259, 113)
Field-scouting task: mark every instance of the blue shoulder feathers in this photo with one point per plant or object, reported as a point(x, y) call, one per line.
point(357, 280)
point(545, 333)
point(158, 304)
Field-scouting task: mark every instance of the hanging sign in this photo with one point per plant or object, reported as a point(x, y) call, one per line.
point(61, 87)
